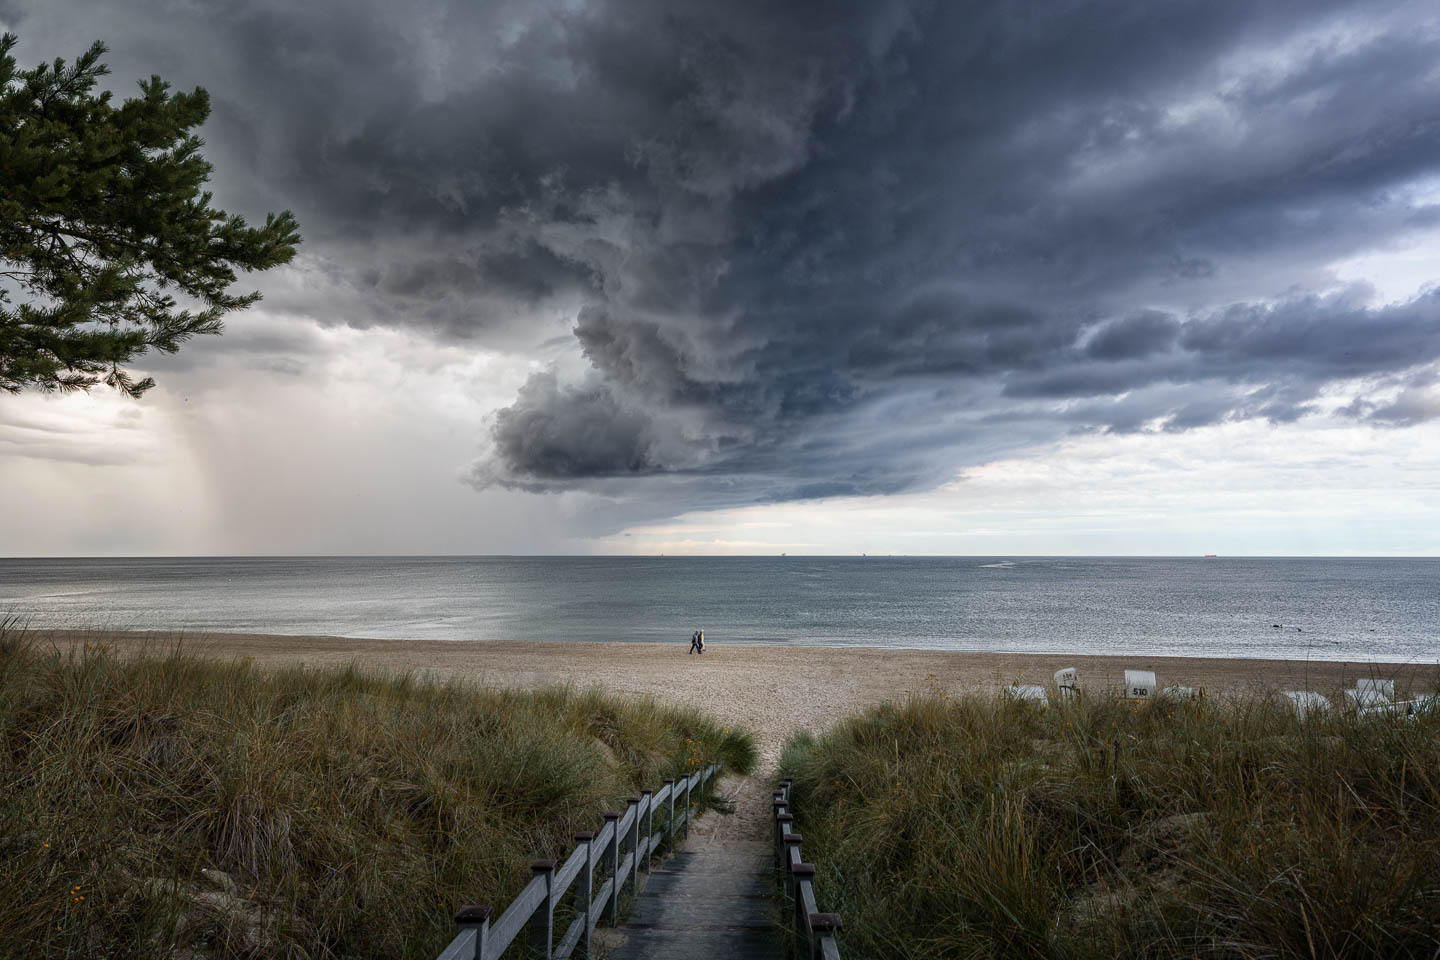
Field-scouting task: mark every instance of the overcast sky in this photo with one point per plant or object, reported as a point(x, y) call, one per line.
point(678, 276)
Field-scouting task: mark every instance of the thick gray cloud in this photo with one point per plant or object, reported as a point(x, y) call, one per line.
point(1132, 337)
point(811, 249)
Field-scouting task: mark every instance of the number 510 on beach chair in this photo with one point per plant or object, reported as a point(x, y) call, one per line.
point(1139, 685)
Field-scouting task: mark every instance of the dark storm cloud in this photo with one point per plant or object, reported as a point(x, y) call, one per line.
point(1313, 340)
point(570, 432)
point(813, 249)
point(1135, 336)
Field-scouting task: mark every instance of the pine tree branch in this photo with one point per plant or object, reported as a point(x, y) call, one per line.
point(101, 211)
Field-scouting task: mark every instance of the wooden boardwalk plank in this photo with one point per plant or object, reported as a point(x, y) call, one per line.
point(711, 900)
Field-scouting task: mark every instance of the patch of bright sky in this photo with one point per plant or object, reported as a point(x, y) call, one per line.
point(359, 452)
point(1406, 265)
point(1399, 273)
point(1321, 488)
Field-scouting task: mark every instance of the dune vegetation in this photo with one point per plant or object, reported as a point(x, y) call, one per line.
point(170, 806)
point(972, 827)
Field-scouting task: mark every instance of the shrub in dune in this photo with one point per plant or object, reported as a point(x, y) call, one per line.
point(975, 828)
point(171, 806)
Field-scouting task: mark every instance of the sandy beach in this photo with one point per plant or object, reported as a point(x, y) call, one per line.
point(772, 690)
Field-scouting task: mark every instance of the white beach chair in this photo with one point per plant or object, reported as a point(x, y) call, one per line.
point(1031, 693)
point(1384, 689)
point(1423, 703)
point(1067, 683)
point(1370, 692)
point(1305, 702)
point(1139, 685)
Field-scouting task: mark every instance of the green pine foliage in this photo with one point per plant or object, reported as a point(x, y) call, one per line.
point(108, 245)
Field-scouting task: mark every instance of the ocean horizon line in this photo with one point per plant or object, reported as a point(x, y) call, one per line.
point(727, 556)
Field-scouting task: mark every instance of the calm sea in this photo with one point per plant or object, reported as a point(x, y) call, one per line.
point(1382, 609)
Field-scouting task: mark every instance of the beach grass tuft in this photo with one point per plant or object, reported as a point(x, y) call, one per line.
point(167, 805)
point(969, 827)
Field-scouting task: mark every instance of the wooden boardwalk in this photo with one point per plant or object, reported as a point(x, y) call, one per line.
point(711, 900)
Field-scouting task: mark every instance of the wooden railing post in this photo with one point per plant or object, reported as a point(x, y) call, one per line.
point(800, 872)
point(542, 922)
point(823, 926)
point(796, 873)
point(632, 843)
point(647, 813)
point(782, 827)
point(612, 867)
point(550, 882)
point(670, 813)
point(477, 918)
point(792, 842)
point(816, 931)
point(584, 891)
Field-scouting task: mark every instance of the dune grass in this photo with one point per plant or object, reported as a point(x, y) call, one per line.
point(975, 828)
point(167, 805)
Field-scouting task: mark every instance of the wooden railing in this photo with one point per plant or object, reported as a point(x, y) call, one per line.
point(619, 850)
point(816, 932)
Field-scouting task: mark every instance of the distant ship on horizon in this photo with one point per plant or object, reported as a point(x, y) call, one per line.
point(1210, 556)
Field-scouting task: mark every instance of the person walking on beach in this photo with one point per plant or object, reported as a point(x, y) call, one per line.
point(700, 641)
point(695, 642)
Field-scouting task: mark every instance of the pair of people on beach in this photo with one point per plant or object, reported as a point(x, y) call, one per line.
point(697, 641)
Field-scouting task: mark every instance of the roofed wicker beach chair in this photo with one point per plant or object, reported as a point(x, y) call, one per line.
point(1031, 693)
point(1402, 708)
point(1422, 704)
point(1139, 685)
point(1067, 683)
point(1305, 702)
point(1370, 693)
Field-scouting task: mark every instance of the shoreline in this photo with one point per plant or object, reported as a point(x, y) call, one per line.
point(771, 689)
point(326, 640)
